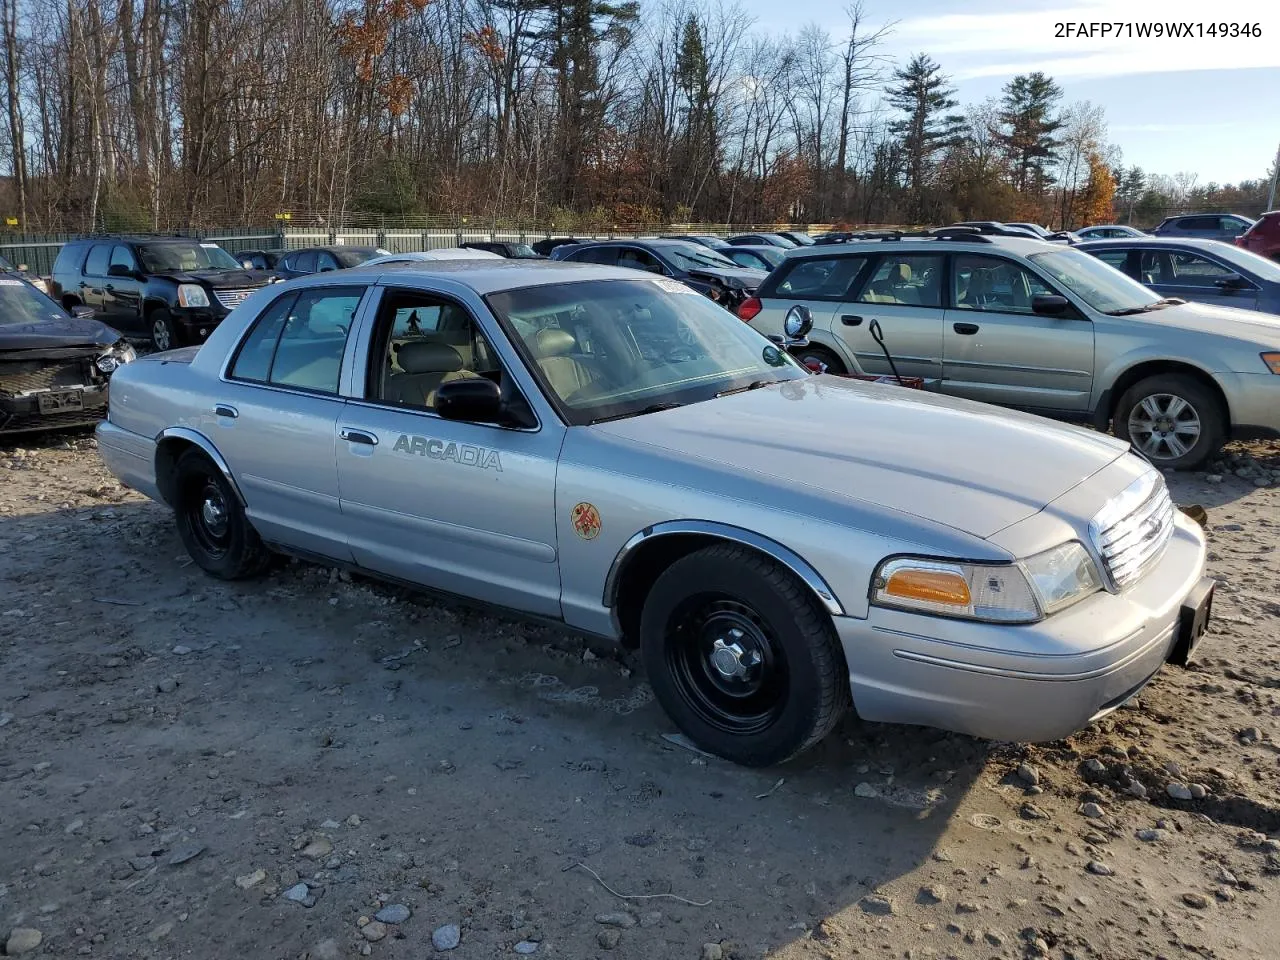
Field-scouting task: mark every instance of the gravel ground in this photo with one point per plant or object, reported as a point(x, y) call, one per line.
point(311, 766)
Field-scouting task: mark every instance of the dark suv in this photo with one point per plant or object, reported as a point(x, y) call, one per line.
point(1203, 226)
point(170, 290)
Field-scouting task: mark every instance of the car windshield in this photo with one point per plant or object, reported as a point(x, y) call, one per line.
point(1102, 287)
point(1259, 266)
point(1033, 227)
point(22, 303)
point(522, 250)
point(616, 348)
point(775, 255)
point(689, 256)
point(184, 257)
point(354, 256)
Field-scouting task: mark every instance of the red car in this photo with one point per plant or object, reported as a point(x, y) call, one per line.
point(1263, 238)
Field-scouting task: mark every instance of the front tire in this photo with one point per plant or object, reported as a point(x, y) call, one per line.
point(1172, 420)
point(163, 331)
point(742, 657)
point(212, 523)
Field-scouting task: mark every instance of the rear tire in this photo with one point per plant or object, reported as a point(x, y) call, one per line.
point(742, 657)
point(162, 330)
point(824, 356)
point(1172, 420)
point(212, 523)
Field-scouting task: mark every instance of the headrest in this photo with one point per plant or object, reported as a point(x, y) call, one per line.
point(901, 273)
point(426, 356)
point(552, 342)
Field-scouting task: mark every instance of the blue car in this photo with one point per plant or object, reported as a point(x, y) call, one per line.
point(1203, 226)
point(1206, 271)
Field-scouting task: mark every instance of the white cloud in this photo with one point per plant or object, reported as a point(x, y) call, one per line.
point(1004, 43)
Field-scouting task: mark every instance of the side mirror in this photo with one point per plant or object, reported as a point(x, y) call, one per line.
point(119, 270)
point(81, 312)
point(1233, 282)
point(23, 268)
point(1050, 305)
point(326, 269)
point(798, 322)
point(475, 400)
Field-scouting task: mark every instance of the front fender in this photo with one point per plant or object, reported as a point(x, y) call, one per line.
point(787, 557)
point(172, 437)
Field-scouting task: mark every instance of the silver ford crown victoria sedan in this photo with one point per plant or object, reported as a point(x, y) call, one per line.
point(616, 453)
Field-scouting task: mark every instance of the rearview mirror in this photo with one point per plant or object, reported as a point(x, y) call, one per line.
point(798, 322)
point(1049, 304)
point(474, 399)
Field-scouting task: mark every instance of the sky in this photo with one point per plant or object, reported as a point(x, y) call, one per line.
point(1205, 105)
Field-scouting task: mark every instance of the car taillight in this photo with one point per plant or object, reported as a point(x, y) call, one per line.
point(749, 309)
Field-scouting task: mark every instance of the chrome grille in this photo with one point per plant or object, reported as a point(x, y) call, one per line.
point(233, 298)
point(19, 377)
point(1131, 532)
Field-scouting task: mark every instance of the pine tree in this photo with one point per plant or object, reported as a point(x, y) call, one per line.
point(925, 95)
point(1027, 127)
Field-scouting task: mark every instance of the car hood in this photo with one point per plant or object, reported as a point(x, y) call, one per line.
point(57, 332)
point(745, 277)
point(220, 279)
point(970, 466)
point(1211, 318)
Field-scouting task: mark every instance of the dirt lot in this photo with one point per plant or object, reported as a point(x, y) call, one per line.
point(196, 769)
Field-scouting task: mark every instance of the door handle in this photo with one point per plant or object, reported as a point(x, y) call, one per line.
point(225, 410)
point(358, 436)
point(965, 329)
point(849, 320)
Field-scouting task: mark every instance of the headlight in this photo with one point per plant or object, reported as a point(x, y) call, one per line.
point(192, 295)
point(120, 353)
point(1021, 592)
point(1272, 360)
point(1062, 576)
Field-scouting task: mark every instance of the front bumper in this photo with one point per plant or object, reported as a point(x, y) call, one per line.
point(196, 323)
point(22, 413)
point(1254, 401)
point(1087, 660)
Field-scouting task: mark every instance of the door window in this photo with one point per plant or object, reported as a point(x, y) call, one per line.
point(1114, 258)
point(303, 262)
point(326, 261)
point(909, 280)
point(99, 259)
point(1189, 270)
point(299, 340)
point(123, 257)
point(994, 285)
point(1231, 225)
point(639, 260)
point(604, 255)
point(820, 278)
point(424, 342)
point(1198, 223)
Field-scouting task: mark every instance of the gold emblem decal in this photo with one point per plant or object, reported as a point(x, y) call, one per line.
point(586, 521)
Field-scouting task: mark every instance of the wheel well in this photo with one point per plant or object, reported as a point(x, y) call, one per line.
point(1155, 367)
point(167, 453)
point(69, 301)
point(151, 306)
point(649, 561)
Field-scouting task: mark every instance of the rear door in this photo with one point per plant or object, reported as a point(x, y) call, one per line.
point(1196, 276)
point(998, 351)
point(122, 292)
point(276, 424)
point(93, 279)
point(820, 283)
point(903, 291)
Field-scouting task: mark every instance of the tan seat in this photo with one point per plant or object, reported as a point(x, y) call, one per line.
point(566, 374)
point(426, 365)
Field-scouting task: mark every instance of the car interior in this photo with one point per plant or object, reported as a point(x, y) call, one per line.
point(430, 342)
point(998, 287)
point(908, 281)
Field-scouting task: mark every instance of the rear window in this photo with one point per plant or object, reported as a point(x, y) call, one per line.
point(818, 278)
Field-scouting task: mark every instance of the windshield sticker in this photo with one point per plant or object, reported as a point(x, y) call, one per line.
point(209, 246)
point(674, 286)
point(11, 283)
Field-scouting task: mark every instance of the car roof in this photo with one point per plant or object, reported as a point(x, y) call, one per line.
point(492, 276)
point(760, 246)
point(1193, 243)
point(980, 243)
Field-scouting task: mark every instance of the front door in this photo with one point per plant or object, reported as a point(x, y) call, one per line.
point(277, 423)
point(122, 293)
point(903, 291)
point(468, 508)
point(997, 350)
point(1197, 277)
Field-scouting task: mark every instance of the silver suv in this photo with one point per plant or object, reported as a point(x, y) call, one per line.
point(1039, 327)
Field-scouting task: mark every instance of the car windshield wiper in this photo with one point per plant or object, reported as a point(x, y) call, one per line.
point(651, 408)
point(753, 385)
point(1130, 311)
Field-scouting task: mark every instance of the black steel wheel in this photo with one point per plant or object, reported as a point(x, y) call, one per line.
point(211, 521)
point(741, 655)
